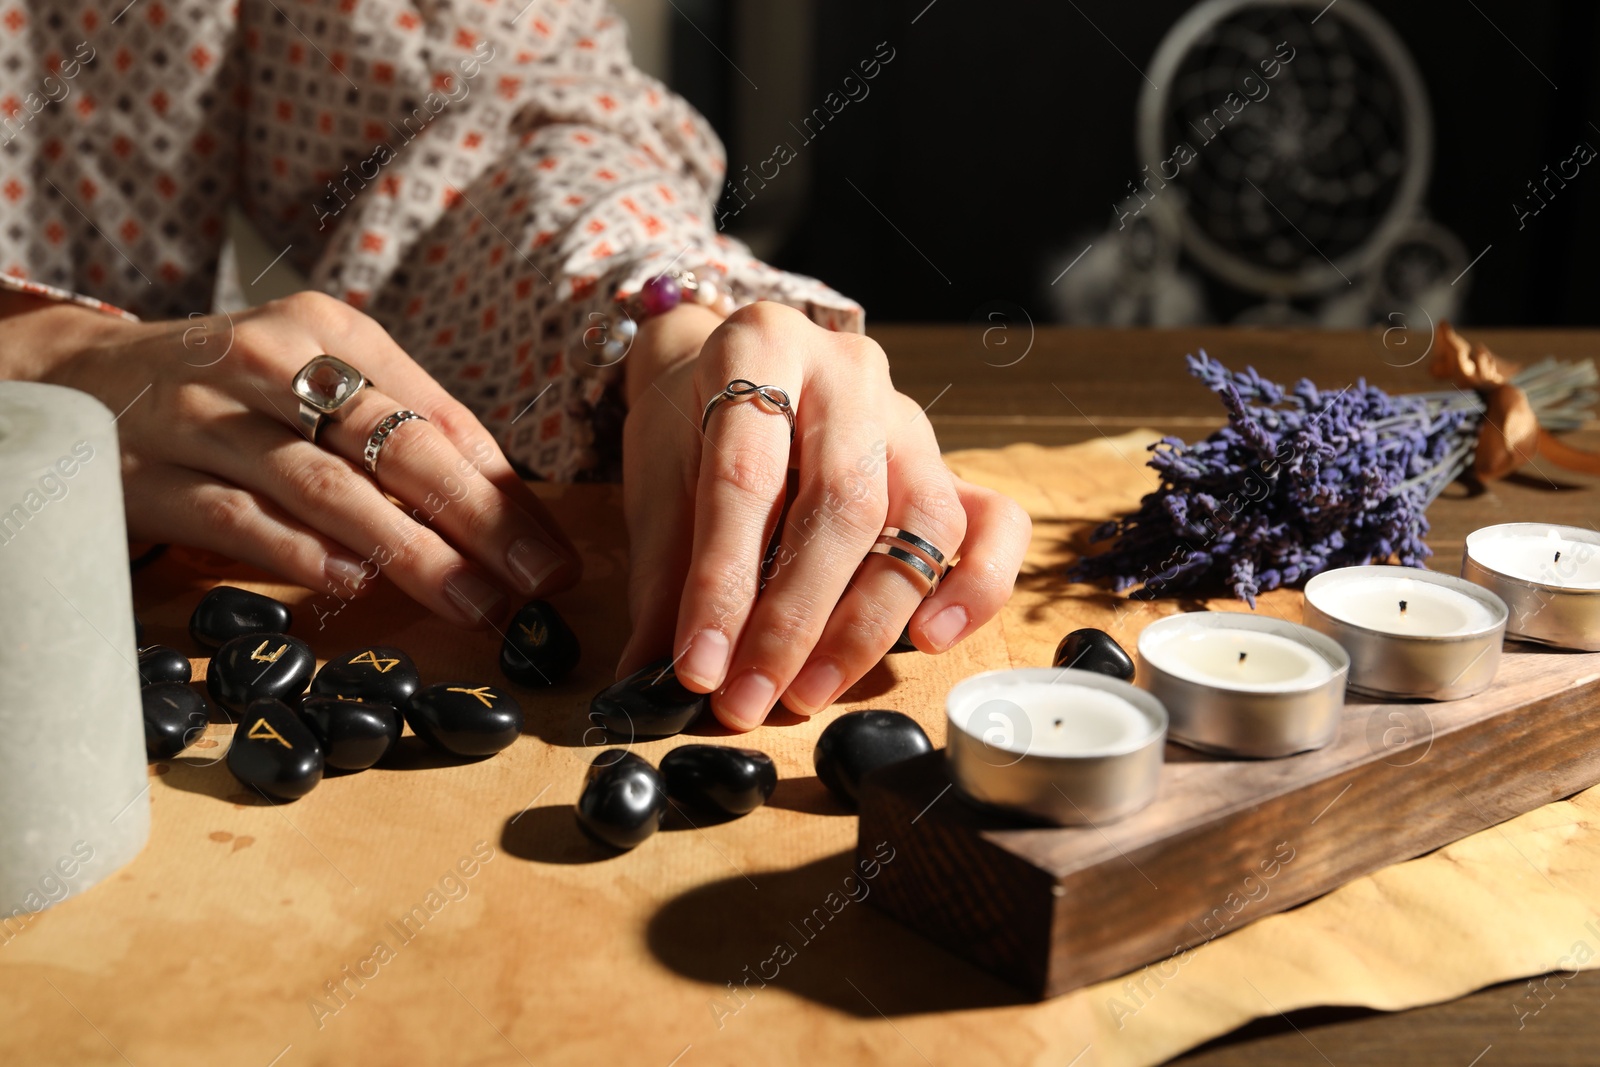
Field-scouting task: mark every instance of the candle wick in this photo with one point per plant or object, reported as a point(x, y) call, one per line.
point(1558, 556)
point(1402, 607)
point(1058, 724)
point(1242, 655)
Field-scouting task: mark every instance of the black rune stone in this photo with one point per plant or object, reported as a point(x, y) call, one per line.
point(860, 742)
point(465, 720)
point(539, 647)
point(159, 663)
point(257, 666)
point(376, 675)
point(275, 752)
point(226, 613)
point(650, 702)
point(1094, 650)
point(623, 799)
point(174, 716)
point(353, 735)
point(719, 778)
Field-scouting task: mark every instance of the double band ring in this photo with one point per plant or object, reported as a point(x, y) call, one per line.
point(916, 553)
point(380, 435)
point(768, 397)
point(324, 386)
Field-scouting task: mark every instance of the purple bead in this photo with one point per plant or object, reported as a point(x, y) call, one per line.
point(660, 294)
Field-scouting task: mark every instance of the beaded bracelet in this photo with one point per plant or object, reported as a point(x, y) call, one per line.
point(611, 337)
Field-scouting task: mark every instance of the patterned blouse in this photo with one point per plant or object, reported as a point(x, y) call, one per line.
point(484, 177)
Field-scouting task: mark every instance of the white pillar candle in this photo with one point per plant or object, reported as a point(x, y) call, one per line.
point(73, 785)
point(1548, 576)
point(1067, 746)
point(1244, 684)
point(1411, 633)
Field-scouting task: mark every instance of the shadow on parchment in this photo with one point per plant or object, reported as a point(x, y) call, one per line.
point(838, 949)
point(551, 835)
point(808, 796)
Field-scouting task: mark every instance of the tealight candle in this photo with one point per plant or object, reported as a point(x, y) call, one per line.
point(1410, 633)
point(1064, 746)
point(1245, 685)
point(1548, 576)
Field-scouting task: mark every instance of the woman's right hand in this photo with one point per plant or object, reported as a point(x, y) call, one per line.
point(213, 456)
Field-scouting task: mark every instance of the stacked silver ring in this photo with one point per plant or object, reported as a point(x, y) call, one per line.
point(381, 434)
point(919, 554)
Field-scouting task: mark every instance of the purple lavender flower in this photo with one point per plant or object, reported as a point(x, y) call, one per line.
point(1301, 480)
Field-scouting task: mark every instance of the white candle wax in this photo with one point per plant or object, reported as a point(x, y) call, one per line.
point(1246, 660)
point(1395, 604)
point(1054, 719)
point(1565, 557)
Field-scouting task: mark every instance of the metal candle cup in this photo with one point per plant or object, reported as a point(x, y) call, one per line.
point(1548, 576)
point(1285, 700)
point(1067, 747)
point(1410, 633)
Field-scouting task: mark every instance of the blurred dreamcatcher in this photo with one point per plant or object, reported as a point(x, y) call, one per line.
point(1284, 149)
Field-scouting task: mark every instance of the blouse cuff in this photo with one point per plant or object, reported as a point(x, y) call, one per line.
point(66, 296)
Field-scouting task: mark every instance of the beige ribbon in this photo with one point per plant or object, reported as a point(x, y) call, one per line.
point(1511, 434)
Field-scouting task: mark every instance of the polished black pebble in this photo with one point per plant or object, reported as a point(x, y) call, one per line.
point(623, 799)
point(1094, 650)
point(226, 613)
point(174, 715)
point(466, 720)
point(650, 702)
point(539, 647)
point(353, 735)
point(159, 663)
point(256, 666)
point(379, 674)
point(858, 743)
point(275, 752)
point(734, 781)
point(903, 643)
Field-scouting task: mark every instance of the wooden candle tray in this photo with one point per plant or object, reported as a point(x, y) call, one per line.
point(1227, 842)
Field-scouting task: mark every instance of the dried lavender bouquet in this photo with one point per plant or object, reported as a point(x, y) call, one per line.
point(1302, 480)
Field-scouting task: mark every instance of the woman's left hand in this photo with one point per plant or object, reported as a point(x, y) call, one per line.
point(701, 509)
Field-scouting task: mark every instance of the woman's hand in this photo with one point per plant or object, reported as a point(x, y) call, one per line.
point(213, 456)
point(701, 510)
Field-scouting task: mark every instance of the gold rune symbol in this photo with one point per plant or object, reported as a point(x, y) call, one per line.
point(271, 657)
point(479, 692)
point(536, 634)
point(263, 730)
point(369, 657)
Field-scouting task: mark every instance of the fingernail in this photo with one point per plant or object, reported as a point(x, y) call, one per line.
point(943, 629)
point(345, 571)
point(814, 687)
point(706, 659)
point(747, 699)
point(532, 561)
point(473, 597)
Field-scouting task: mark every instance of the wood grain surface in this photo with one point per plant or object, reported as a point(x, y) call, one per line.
point(431, 911)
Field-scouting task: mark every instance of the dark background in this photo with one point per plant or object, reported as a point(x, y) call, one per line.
point(1002, 133)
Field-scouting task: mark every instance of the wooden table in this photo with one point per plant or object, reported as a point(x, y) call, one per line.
point(217, 943)
point(1075, 384)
